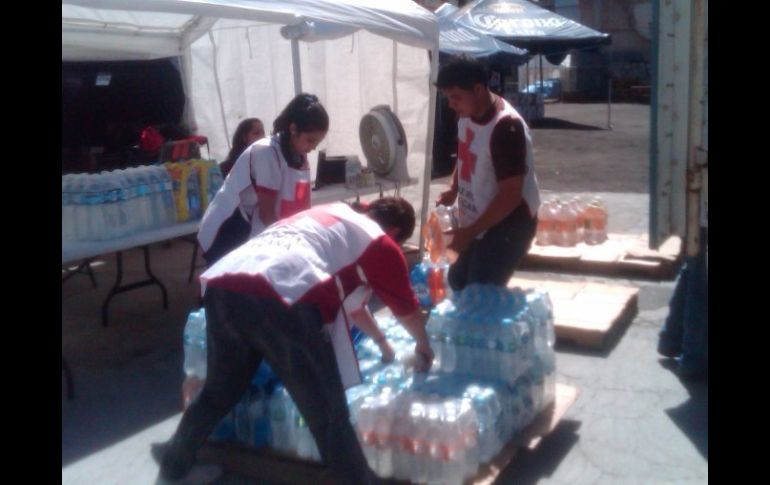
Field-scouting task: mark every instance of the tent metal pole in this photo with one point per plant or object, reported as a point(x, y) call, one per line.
point(541, 91)
point(541, 72)
point(296, 67)
point(218, 85)
point(526, 86)
point(426, 176)
point(609, 91)
point(428, 170)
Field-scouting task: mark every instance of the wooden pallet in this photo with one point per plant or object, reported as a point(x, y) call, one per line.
point(269, 465)
point(620, 255)
point(587, 314)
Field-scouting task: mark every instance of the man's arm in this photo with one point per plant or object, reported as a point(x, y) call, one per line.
point(449, 196)
point(388, 275)
point(506, 201)
point(365, 321)
point(414, 323)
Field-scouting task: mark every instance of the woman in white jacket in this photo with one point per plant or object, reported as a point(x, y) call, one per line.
point(269, 181)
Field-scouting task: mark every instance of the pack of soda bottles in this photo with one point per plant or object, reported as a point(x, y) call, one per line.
point(567, 222)
point(494, 372)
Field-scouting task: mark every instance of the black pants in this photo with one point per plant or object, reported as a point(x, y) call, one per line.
point(493, 258)
point(241, 331)
point(233, 232)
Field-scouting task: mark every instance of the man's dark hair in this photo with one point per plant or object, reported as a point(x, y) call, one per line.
point(391, 212)
point(462, 72)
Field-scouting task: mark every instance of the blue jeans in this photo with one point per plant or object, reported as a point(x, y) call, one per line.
point(685, 331)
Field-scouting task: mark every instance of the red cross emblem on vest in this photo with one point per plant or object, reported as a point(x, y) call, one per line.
point(301, 200)
point(467, 157)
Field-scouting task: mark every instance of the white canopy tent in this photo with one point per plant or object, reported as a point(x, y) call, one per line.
point(248, 58)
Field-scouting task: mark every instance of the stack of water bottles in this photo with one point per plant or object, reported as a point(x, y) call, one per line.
point(120, 203)
point(108, 205)
point(249, 421)
point(493, 374)
point(566, 223)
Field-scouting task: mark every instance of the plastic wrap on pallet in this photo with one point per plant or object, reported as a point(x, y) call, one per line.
point(494, 373)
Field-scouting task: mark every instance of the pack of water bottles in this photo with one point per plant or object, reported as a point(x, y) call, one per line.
point(493, 373)
point(249, 421)
point(108, 205)
point(492, 333)
point(120, 203)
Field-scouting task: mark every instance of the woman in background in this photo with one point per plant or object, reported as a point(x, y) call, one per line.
point(248, 131)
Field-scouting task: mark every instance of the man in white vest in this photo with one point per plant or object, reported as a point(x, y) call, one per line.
point(494, 181)
point(289, 295)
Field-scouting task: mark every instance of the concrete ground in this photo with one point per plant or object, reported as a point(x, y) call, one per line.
point(633, 422)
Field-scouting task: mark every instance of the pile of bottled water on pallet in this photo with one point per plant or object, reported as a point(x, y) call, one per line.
point(493, 374)
point(119, 203)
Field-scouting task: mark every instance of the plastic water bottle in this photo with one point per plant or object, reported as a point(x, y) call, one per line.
point(596, 222)
point(401, 436)
point(167, 190)
point(436, 287)
point(194, 355)
point(524, 331)
point(132, 204)
point(306, 446)
point(215, 178)
point(434, 440)
point(449, 347)
point(419, 279)
point(416, 443)
point(579, 206)
point(124, 224)
point(193, 195)
point(566, 224)
point(94, 199)
point(382, 431)
point(114, 215)
point(509, 349)
point(280, 420)
point(546, 225)
point(461, 457)
point(81, 208)
point(259, 417)
point(156, 196)
point(366, 430)
point(144, 204)
point(544, 337)
point(68, 228)
point(445, 220)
